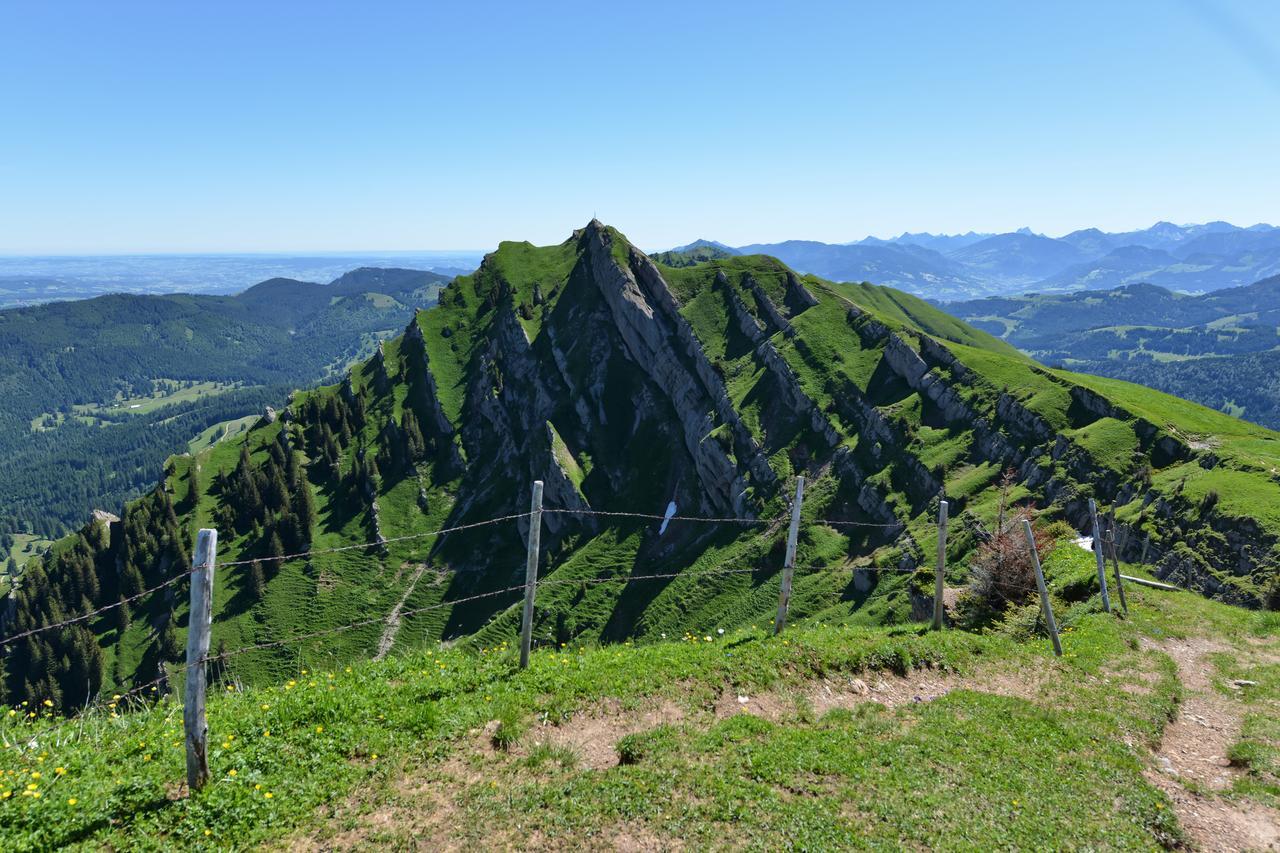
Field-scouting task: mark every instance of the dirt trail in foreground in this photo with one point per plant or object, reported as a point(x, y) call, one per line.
point(1192, 758)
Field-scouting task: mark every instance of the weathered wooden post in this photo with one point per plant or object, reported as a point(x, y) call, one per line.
point(942, 566)
point(1044, 590)
point(200, 623)
point(789, 562)
point(1115, 562)
point(1099, 556)
point(531, 572)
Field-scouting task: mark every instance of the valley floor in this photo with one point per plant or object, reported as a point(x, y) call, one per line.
point(1159, 730)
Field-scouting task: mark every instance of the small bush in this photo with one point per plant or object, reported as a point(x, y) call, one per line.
point(634, 748)
point(1265, 624)
point(511, 725)
point(1246, 753)
point(1001, 573)
point(545, 753)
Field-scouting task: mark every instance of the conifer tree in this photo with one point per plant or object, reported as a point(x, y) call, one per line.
point(415, 446)
point(274, 551)
point(166, 646)
point(257, 581)
point(304, 508)
point(122, 618)
point(277, 492)
point(193, 485)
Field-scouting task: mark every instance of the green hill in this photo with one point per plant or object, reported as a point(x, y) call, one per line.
point(99, 392)
point(623, 386)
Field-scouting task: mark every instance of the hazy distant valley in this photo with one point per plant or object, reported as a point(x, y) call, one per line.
point(31, 280)
point(98, 392)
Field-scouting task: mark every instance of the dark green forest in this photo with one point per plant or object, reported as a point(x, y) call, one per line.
point(58, 462)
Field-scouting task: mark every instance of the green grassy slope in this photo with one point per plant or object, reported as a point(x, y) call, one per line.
point(714, 385)
point(957, 741)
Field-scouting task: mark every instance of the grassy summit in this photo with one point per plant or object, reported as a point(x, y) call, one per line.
point(833, 735)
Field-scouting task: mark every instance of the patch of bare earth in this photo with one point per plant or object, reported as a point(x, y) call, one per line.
point(1191, 762)
point(414, 810)
point(593, 735)
point(891, 691)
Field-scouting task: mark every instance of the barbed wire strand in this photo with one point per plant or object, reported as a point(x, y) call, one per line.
point(226, 564)
point(380, 542)
point(408, 537)
point(73, 620)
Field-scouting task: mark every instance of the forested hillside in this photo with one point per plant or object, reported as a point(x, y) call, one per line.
point(623, 386)
point(1219, 349)
point(98, 392)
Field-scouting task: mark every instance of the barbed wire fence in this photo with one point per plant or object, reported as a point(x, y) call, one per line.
point(198, 657)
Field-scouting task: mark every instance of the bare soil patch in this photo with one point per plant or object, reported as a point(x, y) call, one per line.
point(1191, 762)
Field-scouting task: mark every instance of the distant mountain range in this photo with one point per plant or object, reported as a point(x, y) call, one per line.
point(1221, 349)
point(1189, 258)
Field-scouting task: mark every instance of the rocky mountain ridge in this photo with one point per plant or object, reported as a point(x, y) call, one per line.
point(624, 385)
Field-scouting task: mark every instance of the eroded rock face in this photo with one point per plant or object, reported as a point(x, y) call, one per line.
point(606, 372)
point(661, 344)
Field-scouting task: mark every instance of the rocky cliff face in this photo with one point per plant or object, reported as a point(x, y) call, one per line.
point(715, 385)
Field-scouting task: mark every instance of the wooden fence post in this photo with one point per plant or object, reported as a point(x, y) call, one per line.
point(942, 566)
point(531, 573)
point(789, 562)
point(1044, 590)
point(1115, 562)
point(199, 625)
point(1099, 556)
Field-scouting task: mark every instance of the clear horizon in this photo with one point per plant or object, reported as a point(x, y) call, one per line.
point(242, 128)
point(356, 253)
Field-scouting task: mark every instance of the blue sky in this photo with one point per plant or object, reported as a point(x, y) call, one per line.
point(359, 126)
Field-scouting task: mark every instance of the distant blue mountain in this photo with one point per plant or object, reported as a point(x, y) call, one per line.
point(947, 267)
point(938, 242)
point(906, 266)
point(1019, 256)
point(706, 244)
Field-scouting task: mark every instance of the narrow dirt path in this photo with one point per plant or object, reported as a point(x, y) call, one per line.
point(392, 628)
point(1191, 764)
